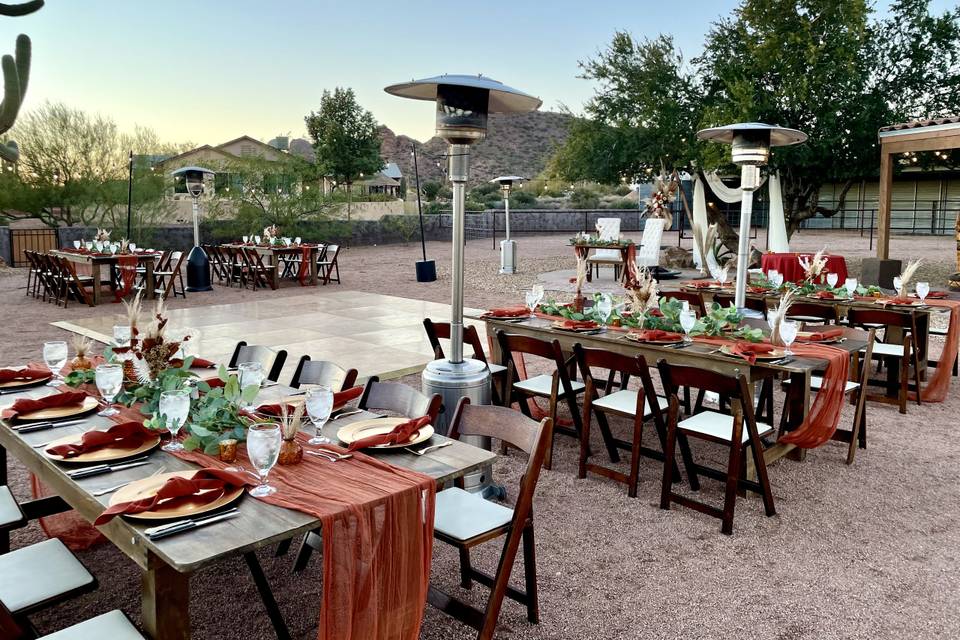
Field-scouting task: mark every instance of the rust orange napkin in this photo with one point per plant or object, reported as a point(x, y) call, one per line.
point(579, 324)
point(176, 491)
point(650, 335)
point(30, 372)
point(749, 350)
point(128, 435)
point(341, 398)
point(399, 435)
point(820, 336)
point(508, 312)
point(824, 295)
point(27, 405)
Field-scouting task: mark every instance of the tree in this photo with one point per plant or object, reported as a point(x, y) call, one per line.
point(827, 67)
point(345, 138)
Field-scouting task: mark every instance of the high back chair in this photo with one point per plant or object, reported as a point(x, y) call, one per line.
point(637, 406)
point(271, 360)
point(755, 304)
point(323, 372)
point(737, 432)
point(900, 355)
point(556, 387)
point(465, 520)
point(437, 331)
point(694, 298)
point(648, 254)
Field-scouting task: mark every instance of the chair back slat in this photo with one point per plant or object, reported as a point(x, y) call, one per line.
point(676, 376)
point(437, 331)
point(399, 398)
point(271, 360)
point(323, 372)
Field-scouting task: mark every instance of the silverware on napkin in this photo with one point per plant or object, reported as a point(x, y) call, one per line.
point(173, 528)
point(98, 469)
point(30, 427)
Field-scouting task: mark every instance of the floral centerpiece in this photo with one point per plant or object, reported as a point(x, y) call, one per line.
point(271, 234)
point(813, 267)
point(663, 195)
point(218, 414)
point(906, 275)
point(102, 235)
point(584, 238)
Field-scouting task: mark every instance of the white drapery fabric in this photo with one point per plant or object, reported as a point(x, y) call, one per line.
point(701, 221)
point(722, 191)
point(777, 228)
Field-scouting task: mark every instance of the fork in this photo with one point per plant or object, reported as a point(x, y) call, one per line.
point(426, 450)
point(103, 492)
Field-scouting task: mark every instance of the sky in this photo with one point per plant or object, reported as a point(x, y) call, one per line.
point(209, 71)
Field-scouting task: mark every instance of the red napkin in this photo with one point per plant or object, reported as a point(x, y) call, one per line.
point(937, 295)
point(758, 289)
point(820, 336)
point(26, 405)
point(30, 372)
point(824, 295)
point(215, 383)
point(508, 312)
point(702, 284)
point(399, 435)
point(749, 350)
point(579, 324)
point(275, 410)
point(343, 397)
point(650, 335)
point(176, 491)
point(898, 300)
point(201, 363)
point(128, 435)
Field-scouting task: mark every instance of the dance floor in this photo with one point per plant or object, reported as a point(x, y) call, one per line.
point(378, 335)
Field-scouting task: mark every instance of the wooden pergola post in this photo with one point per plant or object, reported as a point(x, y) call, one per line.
point(885, 200)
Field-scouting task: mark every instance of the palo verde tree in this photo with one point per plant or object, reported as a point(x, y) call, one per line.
point(831, 68)
point(345, 138)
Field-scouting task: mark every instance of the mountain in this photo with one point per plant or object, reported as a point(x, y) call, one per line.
point(516, 144)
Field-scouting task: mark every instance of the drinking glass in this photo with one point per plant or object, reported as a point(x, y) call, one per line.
point(121, 334)
point(256, 239)
point(923, 288)
point(286, 242)
point(897, 283)
point(687, 320)
point(246, 239)
point(109, 379)
point(604, 308)
point(319, 401)
point(777, 280)
point(250, 374)
point(98, 245)
point(788, 333)
point(832, 280)
point(851, 286)
point(174, 409)
point(133, 247)
point(538, 289)
point(263, 449)
point(771, 275)
point(76, 244)
point(89, 246)
point(530, 298)
point(297, 240)
point(55, 356)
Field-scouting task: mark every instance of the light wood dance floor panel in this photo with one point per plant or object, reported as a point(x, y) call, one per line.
point(378, 335)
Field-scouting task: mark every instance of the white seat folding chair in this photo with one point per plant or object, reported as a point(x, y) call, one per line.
point(608, 230)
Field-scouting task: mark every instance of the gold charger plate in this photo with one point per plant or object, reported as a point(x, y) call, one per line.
point(377, 426)
point(25, 383)
point(559, 325)
point(804, 337)
point(633, 338)
point(89, 404)
point(148, 487)
point(106, 454)
point(776, 354)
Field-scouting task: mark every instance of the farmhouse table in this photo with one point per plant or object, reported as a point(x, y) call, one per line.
point(167, 564)
point(701, 355)
point(93, 263)
point(582, 250)
point(273, 255)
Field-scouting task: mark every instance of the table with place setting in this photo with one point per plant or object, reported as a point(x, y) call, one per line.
point(296, 260)
point(93, 263)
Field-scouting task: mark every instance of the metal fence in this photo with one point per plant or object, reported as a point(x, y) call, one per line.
point(40, 240)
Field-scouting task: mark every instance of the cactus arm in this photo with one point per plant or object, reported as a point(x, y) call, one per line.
point(22, 53)
point(15, 10)
point(11, 93)
point(10, 152)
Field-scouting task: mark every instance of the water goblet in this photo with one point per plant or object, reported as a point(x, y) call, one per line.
point(55, 357)
point(286, 241)
point(246, 239)
point(76, 244)
point(133, 247)
point(832, 280)
point(530, 298)
point(687, 321)
point(897, 283)
point(923, 288)
point(297, 240)
point(604, 308)
point(89, 246)
point(174, 409)
point(771, 275)
point(538, 289)
point(122, 334)
point(788, 333)
point(777, 282)
point(319, 401)
point(256, 239)
point(98, 245)
point(250, 374)
point(850, 284)
point(263, 449)
point(109, 378)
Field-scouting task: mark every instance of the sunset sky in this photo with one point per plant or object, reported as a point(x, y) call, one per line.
point(213, 70)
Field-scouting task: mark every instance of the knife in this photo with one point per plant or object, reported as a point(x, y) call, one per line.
point(106, 468)
point(156, 533)
point(30, 427)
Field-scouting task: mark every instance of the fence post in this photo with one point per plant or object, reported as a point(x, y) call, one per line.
point(933, 218)
point(871, 228)
point(494, 214)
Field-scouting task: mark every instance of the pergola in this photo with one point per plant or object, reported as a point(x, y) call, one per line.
point(938, 134)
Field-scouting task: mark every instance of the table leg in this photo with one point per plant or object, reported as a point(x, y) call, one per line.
point(799, 399)
point(149, 280)
point(275, 272)
point(95, 272)
point(166, 601)
point(314, 268)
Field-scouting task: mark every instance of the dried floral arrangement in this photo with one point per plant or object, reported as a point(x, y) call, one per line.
point(778, 315)
point(270, 234)
point(813, 267)
point(103, 235)
point(908, 272)
point(149, 352)
point(663, 195)
point(705, 243)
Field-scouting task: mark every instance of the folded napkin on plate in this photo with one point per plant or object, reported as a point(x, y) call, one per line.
point(650, 335)
point(341, 398)
point(399, 435)
point(30, 372)
point(702, 284)
point(201, 363)
point(213, 483)
point(215, 383)
point(749, 350)
point(27, 405)
point(508, 312)
point(820, 336)
point(937, 295)
point(579, 324)
point(898, 300)
point(758, 289)
point(824, 295)
point(128, 435)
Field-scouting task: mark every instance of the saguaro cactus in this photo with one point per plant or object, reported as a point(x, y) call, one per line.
point(16, 74)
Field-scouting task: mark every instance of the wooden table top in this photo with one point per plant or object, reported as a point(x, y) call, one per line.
point(842, 302)
point(263, 248)
point(259, 523)
point(105, 258)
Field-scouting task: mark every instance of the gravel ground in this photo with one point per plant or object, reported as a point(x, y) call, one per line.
point(869, 551)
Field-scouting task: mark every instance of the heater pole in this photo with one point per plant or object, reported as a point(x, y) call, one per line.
point(459, 170)
point(743, 248)
point(506, 209)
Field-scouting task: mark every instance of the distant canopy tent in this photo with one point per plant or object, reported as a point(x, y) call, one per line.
point(939, 134)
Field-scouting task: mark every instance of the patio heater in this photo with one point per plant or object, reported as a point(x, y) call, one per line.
point(462, 104)
point(750, 148)
point(198, 265)
point(508, 248)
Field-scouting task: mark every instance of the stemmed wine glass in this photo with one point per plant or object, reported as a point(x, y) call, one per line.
point(55, 356)
point(923, 288)
point(263, 449)
point(530, 299)
point(297, 241)
point(250, 374)
point(121, 334)
point(788, 333)
point(851, 286)
point(832, 280)
point(604, 308)
point(246, 239)
point(897, 283)
point(776, 279)
point(76, 244)
point(109, 379)
point(174, 409)
point(688, 318)
point(319, 401)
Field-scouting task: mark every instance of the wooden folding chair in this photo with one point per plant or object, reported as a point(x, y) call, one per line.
point(437, 331)
point(555, 387)
point(903, 354)
point(167, 278)
point(737, 432)
point(323, 372)
point(327, 264)
point(271, 360)
point(755, 304)
point(258, 272)
point(74, 284)
point(465, 520)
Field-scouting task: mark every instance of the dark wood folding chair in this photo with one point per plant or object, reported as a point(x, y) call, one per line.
point(33, 273)
point(271, 360)
point(327, 264)
point(813, 313)
point(216, 262)
point(259, 273)
point(323, 372)
point(465, 520)
point(555, 387)
point(755, 304)
point(693, 297)
point(899, 356)
point(74, 284)
point(437, 331)
point(639, 406)
point(56, 278)
point(738, 432)
point(166, 278)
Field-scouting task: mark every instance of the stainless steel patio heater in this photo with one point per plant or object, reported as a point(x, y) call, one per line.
point(750, 142)
point(462, 105)
point(198, 264)
point(508, 248)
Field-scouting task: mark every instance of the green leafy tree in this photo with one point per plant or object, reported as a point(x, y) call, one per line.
point(345, 138)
